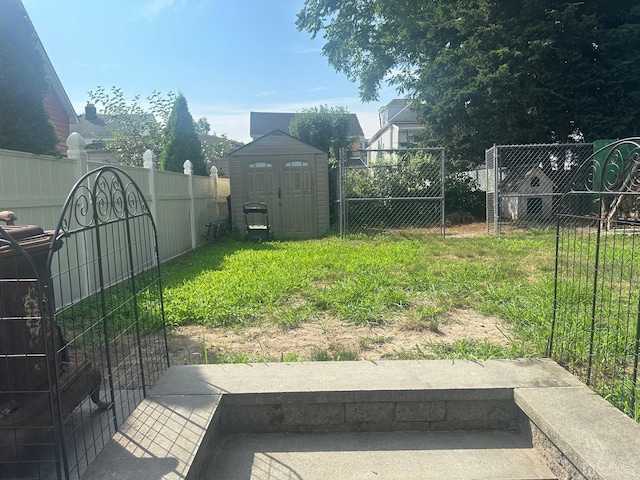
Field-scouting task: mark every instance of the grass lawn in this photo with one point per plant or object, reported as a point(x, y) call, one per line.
point(413, 283)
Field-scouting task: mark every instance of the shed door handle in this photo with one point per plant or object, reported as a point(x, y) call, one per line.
point(279, 196)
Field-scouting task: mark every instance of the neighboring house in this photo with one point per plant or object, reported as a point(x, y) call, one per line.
point(97, 130)
point(527, 197)
point(56, 102)
point(262, 123)
point(398, 127)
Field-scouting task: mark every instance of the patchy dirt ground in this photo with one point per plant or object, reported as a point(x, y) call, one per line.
point(329, 338)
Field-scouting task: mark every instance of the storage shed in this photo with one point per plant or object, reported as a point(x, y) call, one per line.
point(290, 177)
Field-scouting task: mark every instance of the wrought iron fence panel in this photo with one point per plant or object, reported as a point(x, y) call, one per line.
point(596, 320)
point(386, 190)
point(107, 301)
point(526, 183)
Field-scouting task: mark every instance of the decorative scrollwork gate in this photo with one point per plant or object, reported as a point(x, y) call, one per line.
point(95, 335)
point(596, 323)
point(108, 300)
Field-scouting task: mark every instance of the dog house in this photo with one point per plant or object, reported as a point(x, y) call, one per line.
point(290, 177)
point(528, 197)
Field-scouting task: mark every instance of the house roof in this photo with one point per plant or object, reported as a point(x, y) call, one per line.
point(262, 123)
point(397, 112)
point(405, 115)
point(213, 139)
point(101, 126)
point(264, 138)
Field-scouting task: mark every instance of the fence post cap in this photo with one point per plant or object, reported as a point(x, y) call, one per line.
point(213, 171)
point(148, 158)
point(188, 167)
point(75, 141)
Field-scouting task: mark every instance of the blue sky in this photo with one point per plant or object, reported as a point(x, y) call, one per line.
point(228, 58)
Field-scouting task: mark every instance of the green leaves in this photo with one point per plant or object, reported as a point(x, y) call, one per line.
point(181, 142)
point(133, 127)
point(326, 128)
point(486, 71)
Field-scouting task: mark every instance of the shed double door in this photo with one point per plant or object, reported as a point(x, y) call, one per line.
point(287, 186)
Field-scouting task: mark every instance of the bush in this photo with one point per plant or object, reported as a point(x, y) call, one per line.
point(464, 202)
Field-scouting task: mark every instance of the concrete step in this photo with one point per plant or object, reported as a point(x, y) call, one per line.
point(446, 455)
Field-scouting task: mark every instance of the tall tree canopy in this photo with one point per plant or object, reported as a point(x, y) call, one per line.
point(133, 127)
point(326, 128)
point(24, 123)
point(181, 141)
point(492, 71)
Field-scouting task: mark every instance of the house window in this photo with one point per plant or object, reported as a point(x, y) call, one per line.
point(535, 181)
point(407, 138)
point(260, 165)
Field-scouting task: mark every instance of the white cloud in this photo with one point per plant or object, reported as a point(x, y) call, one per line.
point(316, 89)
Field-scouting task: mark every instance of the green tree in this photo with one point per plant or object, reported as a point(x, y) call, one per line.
point(133, 127)
point(215, 148)
point(181, 140)
point(492, 71)
point(24, 123)
point(326, 128)
point(202, 126)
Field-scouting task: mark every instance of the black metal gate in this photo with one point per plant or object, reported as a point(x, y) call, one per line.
point(101, 321)
point(596, 322)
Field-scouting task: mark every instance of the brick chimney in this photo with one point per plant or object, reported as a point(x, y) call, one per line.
point(90, 111)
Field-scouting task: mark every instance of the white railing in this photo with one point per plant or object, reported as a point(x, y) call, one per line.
point(35, 187)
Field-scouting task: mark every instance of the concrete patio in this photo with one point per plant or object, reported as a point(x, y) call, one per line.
point(520, 419)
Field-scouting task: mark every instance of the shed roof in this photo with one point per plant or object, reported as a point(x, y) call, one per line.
point(515, 180)
point(255, 147)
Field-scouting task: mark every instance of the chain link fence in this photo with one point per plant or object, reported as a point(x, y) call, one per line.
point(385, 190)
point(525, 183)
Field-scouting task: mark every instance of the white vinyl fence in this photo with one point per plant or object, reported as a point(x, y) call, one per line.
point(35, 187)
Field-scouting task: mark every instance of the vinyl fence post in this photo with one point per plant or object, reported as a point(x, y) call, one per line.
point(76, 151)
point(150, 164)
point(213, 173)
point(188, 170)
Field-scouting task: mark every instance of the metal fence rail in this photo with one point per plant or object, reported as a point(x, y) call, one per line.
point(385, 190)
point(596, 321)
point(526, 183)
